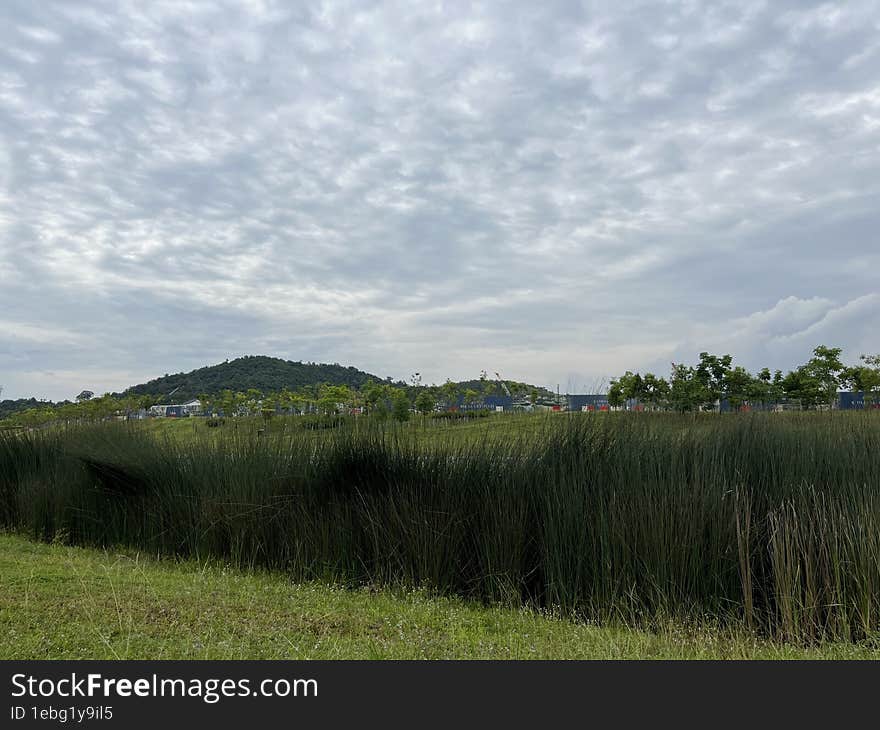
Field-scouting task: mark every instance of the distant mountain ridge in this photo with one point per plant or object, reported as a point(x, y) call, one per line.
point(266, 374)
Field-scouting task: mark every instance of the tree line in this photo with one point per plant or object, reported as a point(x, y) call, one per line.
point(381, 398)
point(705, 386)
point(83, 409)
point(377, 397)
point(715, 380)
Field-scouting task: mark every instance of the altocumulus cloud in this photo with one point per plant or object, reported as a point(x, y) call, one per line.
point(555, 190)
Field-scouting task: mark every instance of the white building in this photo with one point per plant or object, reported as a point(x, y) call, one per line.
point(177, 410)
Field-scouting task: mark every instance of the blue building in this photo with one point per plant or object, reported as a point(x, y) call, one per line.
point(855, 401)
point(488, 403)
point(592, 402)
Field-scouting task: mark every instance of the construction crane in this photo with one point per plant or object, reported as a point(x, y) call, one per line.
point(503, 384)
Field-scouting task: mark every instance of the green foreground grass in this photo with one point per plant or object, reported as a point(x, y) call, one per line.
point(59, 602)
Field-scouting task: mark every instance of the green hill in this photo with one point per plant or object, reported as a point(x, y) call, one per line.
point(266, 374)
point(11, 407)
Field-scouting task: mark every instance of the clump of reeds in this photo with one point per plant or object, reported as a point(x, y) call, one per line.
point(768, 521)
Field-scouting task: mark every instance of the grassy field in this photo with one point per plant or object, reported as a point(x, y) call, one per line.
point(59, 602)
point(767, 524)
point(425, 431)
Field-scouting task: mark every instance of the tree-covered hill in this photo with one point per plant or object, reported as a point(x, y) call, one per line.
point(10, 407)
point(266, 374)
point(272, 375)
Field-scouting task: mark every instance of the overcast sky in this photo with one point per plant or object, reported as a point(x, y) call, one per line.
point(557, 191)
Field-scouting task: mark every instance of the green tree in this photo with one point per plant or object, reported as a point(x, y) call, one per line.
point(864, 378)
point(471, 397)
point(631, 387)
point(740, 386)
point(825, 369)
point(800, 386)
point(285, 400)
point(253, 399)
point(758, 389)
point(615, 395)
point(227, 403)
point(687, 389)
point(713, 371)
point(775, 391)
point(268, 405)
point(766, 388)
point(400, 405)
point(450, 392)
point(380, 411)
point(304, 400)
point(334, 397)
point(871, 378)
point(654, 390)
point(425, 402)
point(239, 403)
point(374, 394)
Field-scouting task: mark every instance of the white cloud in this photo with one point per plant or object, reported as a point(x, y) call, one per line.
point(541, 189)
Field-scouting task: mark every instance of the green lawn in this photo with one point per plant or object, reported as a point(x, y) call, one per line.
point(60, 602)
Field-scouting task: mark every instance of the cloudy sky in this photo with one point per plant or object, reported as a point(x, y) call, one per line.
point(557, 191)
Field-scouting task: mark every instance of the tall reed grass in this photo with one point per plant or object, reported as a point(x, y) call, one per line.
point(768, 521)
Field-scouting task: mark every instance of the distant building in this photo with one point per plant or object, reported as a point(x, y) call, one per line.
point(177, 410)
point(855, 401)
point(588, 402)
point(136, 415)
point(488, 403)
